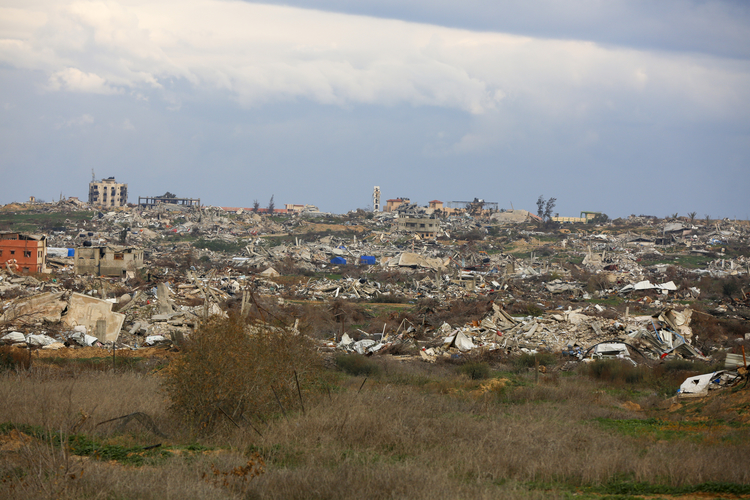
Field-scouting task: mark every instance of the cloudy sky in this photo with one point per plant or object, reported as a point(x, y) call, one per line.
point(620, 106)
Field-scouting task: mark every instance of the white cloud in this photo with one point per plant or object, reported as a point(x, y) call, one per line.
point(261, 53)
point(75, 80)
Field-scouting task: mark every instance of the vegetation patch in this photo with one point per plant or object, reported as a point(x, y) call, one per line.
point(84, 446)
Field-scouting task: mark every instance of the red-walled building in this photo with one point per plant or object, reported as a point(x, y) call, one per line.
point(25, 253)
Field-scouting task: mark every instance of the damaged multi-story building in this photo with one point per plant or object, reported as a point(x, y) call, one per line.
point(415, 219)
point(112, 261)
point(108, 193)
point(23, 252)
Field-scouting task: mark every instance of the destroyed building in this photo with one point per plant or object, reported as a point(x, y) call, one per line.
point(23, 252)
point(108, 260)
point(108, 193)
point(426, 226)
point(393, 204)
point(167, 199)
point(584, 218)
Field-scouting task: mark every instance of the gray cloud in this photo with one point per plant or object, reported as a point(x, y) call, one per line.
point(231, 101)
point(717, 27)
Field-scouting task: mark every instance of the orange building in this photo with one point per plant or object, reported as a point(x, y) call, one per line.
point(394, 203)
point(23, 252)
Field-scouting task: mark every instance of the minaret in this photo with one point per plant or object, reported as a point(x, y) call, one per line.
point(376, 199)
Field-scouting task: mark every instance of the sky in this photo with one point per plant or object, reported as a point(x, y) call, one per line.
point(618, 106)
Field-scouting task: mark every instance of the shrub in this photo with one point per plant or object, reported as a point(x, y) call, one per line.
point(613, 370)
point(12, 358)
point(228, 370)
point(475, 370)
point(357, 365)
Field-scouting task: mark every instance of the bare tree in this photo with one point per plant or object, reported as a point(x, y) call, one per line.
point(692, 216)
point(271, 206)
point(256, 206)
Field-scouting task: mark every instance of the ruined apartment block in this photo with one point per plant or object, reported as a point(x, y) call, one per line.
point(108, 193)
point(108, 261)
point(424, 226)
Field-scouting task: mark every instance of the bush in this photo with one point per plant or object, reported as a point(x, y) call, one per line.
point(12, 358)
point(357, 365)
point(475, 370)
point(613, 370)
point(228, 370)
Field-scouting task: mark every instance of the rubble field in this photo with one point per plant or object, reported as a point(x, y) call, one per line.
point(619, 346)
point(639, 288)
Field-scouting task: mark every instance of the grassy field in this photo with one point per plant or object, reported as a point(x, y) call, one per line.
point(381, 428)
point(36, 222)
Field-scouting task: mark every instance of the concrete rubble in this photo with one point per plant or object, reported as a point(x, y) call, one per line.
point(559, 291)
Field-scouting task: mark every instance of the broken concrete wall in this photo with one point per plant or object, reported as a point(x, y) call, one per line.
point(96, 315)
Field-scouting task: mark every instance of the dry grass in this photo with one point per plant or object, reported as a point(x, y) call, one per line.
point(415, 430)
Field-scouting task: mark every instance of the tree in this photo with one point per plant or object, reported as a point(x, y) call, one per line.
point(540, 207)
point(600, 219)
point(544, 209)
point(169, 195)
point(548, 208)
point(256, 206)
point(271, 206)
point(692, 216)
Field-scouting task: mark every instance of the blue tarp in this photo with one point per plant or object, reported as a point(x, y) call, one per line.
point(338, 260)
point(367, 259)
point(71, 252)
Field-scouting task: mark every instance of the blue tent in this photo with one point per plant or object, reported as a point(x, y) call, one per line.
point(367, 259)
point(338, 260)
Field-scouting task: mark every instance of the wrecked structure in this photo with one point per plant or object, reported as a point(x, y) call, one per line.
point(153, 201)
point(108, 260)
point(25, 253)
point(108, 193)
point(423, 226)
point(581, 294)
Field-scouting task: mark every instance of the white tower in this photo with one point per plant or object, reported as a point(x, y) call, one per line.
point(376, 199)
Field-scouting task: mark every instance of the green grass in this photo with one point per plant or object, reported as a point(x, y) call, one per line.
point(41, 222)
point(84, 446)
point(664, 430)
point(612, 301)
point(686, 261)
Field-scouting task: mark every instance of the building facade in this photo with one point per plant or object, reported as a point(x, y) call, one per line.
point(23, 252)
point(108, 260)
point(424, 226)
point(108, 193)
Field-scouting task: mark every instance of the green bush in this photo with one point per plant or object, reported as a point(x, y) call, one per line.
point(357, 365)
point(229, 370)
